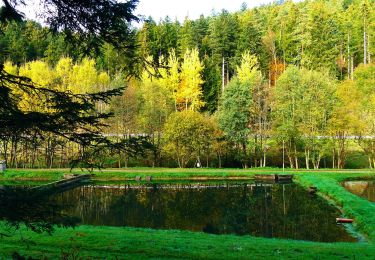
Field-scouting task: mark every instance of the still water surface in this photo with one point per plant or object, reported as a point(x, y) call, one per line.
point(364, 189)
point(258, 209)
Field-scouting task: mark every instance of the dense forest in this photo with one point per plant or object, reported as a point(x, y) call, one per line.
point(245, 89)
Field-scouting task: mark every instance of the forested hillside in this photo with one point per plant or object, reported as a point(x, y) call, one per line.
point(243, 89)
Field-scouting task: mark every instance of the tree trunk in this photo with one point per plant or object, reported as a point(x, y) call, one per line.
point(223, 76)
point(5, 149)
point(207, 160)
point(348, 56)
point(316, 162)
point(291, 162)
point(368, 51)
point(244, 150)
point(126, 161)
point(264, 159)
point(295, 156)
point(364, 41)
point(255, 151)
point(307, 158)
point(119, 160)
point(341, 152)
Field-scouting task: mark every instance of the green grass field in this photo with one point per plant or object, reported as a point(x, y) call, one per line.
point(112, 242)
point(165, 173)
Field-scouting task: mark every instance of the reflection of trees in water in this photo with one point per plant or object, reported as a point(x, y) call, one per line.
point(22, 207)
point(272, 211)
point(370, 192)
point(365, 189)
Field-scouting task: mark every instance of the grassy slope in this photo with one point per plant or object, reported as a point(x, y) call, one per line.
point(113, 242)
point(143, 243)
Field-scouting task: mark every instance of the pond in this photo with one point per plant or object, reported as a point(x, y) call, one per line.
point(362, 188)
point(242, 208)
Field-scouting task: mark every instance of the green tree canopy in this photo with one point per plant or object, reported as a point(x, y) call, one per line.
point(186, 136)
point(234, 115)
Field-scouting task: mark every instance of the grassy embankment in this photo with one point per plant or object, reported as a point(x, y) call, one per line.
point(87, 241)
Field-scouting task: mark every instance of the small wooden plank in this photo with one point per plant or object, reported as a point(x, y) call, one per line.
point(62, 183)
point(282, 177)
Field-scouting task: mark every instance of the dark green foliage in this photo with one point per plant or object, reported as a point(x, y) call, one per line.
point(8, 13)
point(212, 85)
point(87, 24)
point(323, 38)
point(186, 39)
point(223, 31)
point(23, 41)
point(148, 39)
point(201, 35)
point(92, 22)
point(250, 35)
point(168, 36)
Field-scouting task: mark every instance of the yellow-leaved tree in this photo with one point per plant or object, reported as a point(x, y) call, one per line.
point(10, 68)
point(41, 74)
point(64, 68)
point(84, 77)
point(173, 75)
point(189, 94)
point(345, 121)
point(250, 76)
point(248, 69)
point(155, 103)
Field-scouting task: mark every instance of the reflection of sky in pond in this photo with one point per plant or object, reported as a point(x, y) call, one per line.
point(268, 210)
point(365, 189)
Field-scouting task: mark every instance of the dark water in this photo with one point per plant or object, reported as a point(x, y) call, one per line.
point(364, 189)
point(16, 183)
point(266, 210)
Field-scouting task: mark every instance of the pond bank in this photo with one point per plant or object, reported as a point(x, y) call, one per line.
point(362, 210)
point(111, 242)
point(135, 243)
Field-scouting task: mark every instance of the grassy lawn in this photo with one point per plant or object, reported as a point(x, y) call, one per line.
point(112, 242)
point(165, 173)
